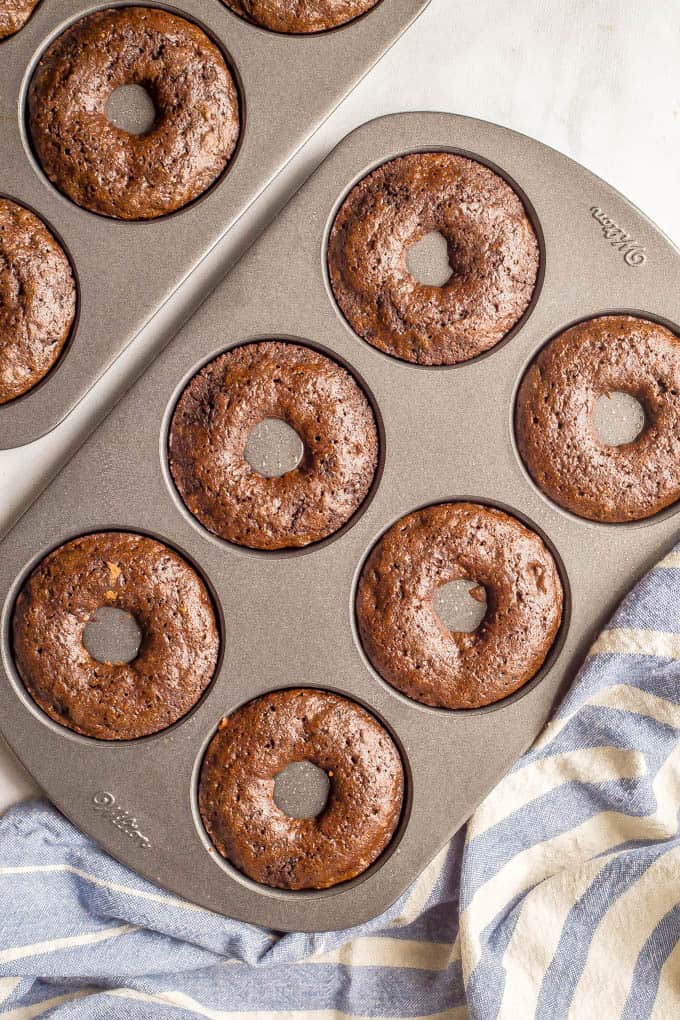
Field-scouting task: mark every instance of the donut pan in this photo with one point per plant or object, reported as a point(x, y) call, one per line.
point(126, 271)
point(288, 619)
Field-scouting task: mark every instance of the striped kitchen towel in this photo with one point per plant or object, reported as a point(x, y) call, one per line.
point(561, 900)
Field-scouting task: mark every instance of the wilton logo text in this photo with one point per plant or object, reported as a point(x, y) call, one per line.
point(634, 253)
point(105, 804)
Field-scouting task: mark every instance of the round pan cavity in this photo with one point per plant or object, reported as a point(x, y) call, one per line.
point(303, 503)
point(556, 419)
point(40, 300)
point(504, 562)
point(489, 266)
point(139, 578)
point(266, 831)
point(191, 139)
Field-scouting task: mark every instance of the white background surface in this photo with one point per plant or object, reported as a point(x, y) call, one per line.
point(597, 79)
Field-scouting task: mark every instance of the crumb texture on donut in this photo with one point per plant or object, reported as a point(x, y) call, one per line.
point(317, 398)
point(170, 603)
point(37, 300)
point(14, 14)
point(236, 789)
point(554, 419)
point(302, 16)
point(406, 641)
point(492, 247)
point(104, 168)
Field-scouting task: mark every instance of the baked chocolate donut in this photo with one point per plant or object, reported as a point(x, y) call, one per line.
point(492, 248)
point(300, 16)
point(236, 789)
point(554, 419)
point(170, 603)
point(37, 300)
point(406, 641)
point(316, 397)
point(14, 14)
point(104, 168)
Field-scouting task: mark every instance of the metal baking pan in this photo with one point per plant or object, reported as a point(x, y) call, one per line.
point(288, 619)
point(288, 86)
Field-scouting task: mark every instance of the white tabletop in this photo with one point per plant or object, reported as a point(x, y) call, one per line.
point(596, 79)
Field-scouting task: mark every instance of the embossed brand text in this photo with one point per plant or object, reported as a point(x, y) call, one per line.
point(105, 804)
point(634, 253)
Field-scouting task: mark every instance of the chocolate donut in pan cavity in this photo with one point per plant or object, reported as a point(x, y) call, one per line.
point(37, 300)
point(401, 633)
point(492, 248)
point(554, 426)
point(108, 170)
point(172, 608)
point(14, 14)
point(300, 16)
point(316, 397)
point(236, 789)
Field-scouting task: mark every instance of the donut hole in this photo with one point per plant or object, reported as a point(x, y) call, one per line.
point(618, 418)
point(112, 636)
point(461, 606)
point(131, 109)
point(301, 790)
point(273, 448)
point(428, 260)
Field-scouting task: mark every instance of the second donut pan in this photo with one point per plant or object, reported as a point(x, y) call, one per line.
point(126, 271)
point(288, 619)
